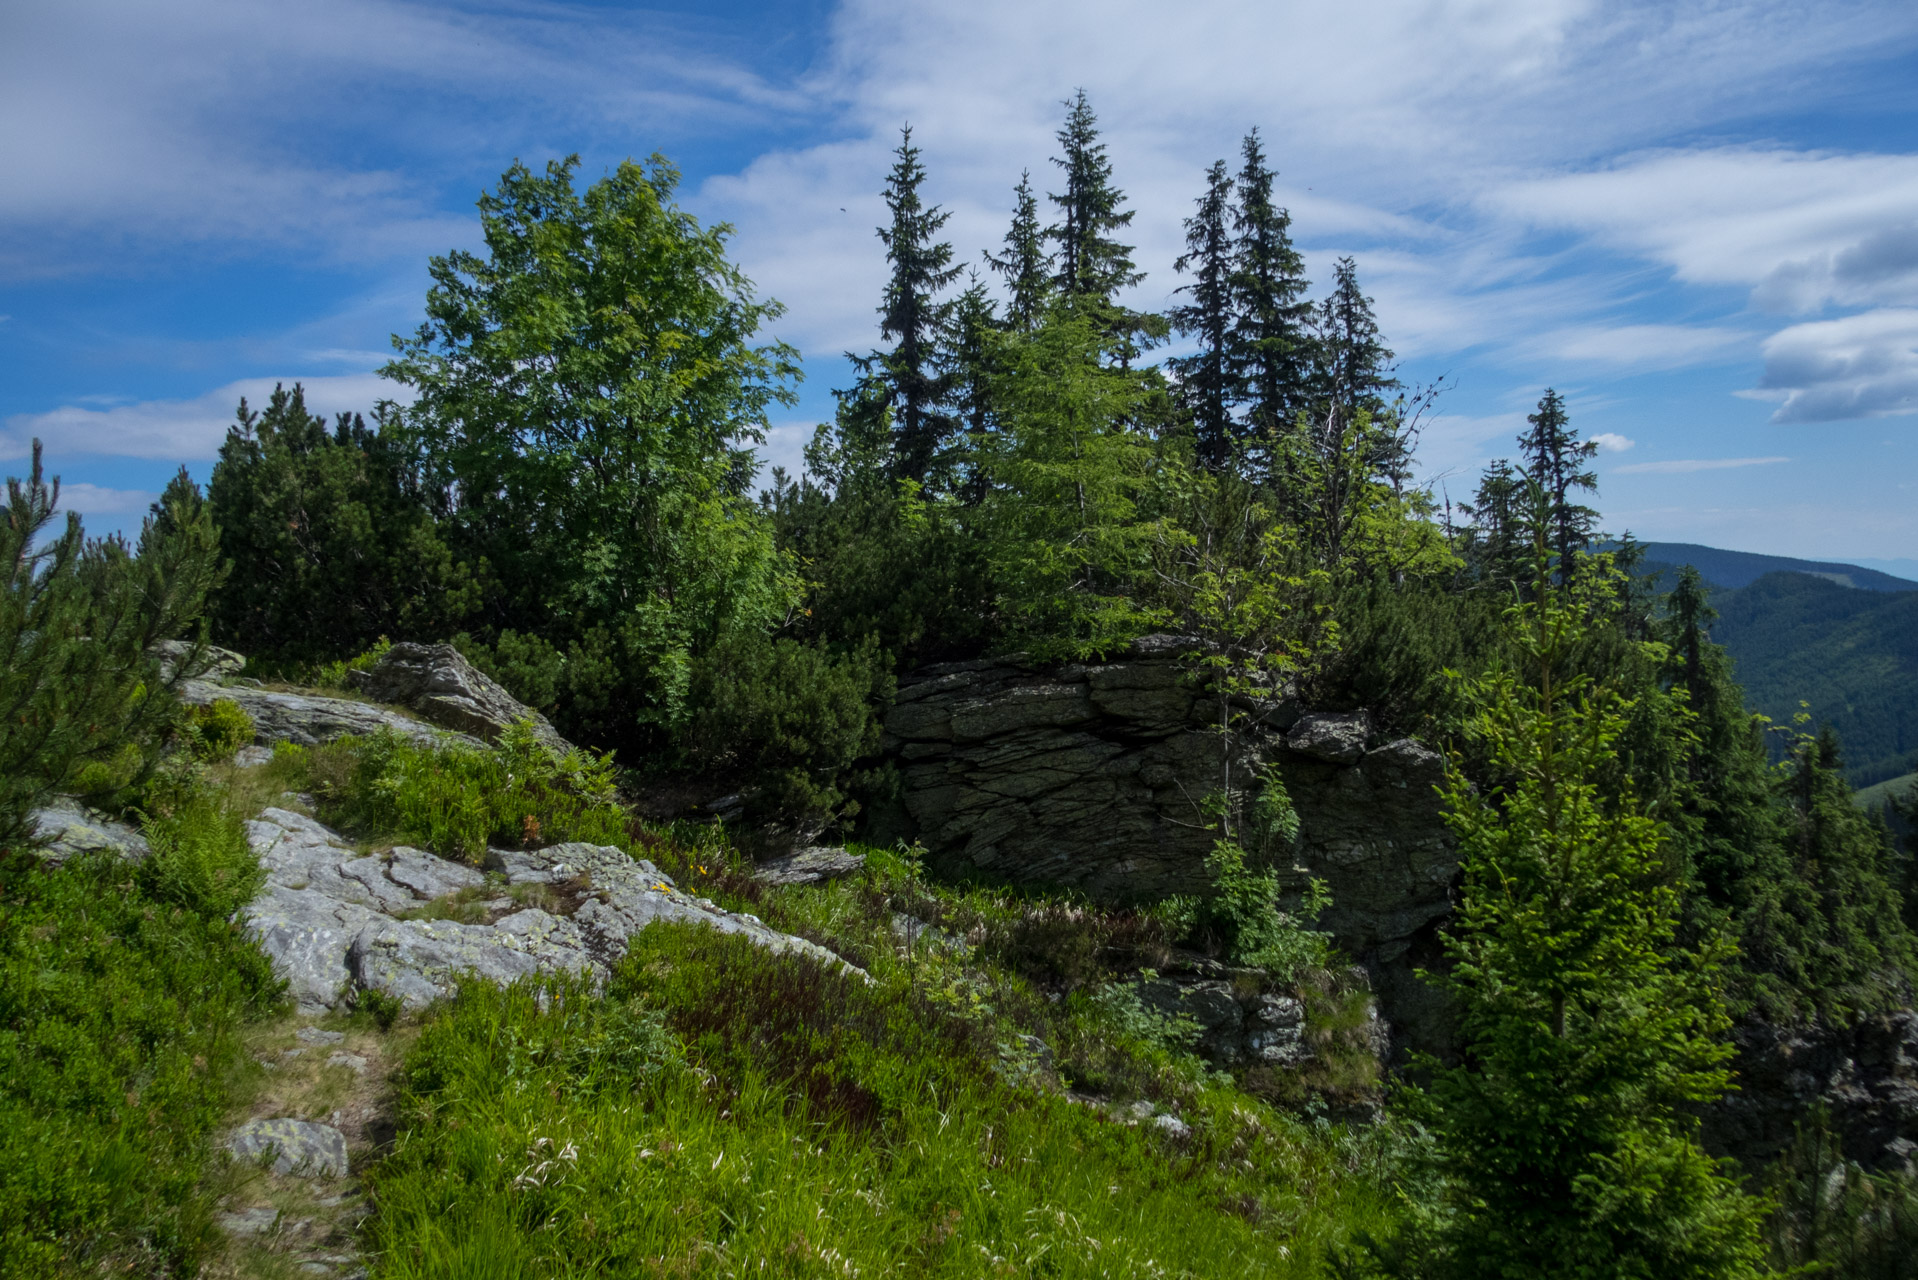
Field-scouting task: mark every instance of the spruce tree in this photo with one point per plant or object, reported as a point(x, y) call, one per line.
point(1353, 366)
point(1091, 264)
point(1496, 510)
point(1555, 459)
point(1271, 344)
point(1025, 264)
point(966, 360)
point(1207, 384)
point(912, 316)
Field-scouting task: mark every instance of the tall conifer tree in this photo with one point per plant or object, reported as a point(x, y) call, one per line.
point(1025, 264)
point(1206, 378)
point(1354, 367)
point(1091, 265)
point(1271, 344)
point(1557, 459)
point(913, 317)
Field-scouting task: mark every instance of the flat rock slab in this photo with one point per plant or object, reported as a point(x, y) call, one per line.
point(308, 719)
point(298, 1147)
point(70, 828)
point(809, 866)
point(332, 919)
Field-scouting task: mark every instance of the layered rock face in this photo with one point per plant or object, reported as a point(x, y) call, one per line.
point(1091, 776)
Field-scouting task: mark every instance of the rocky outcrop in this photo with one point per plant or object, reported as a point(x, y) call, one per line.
point(437, 682)
point(213, 662)
point(1090, 776)
point(1863, 1074)
point(309, 719)
point(69, 828)
point(335, 921)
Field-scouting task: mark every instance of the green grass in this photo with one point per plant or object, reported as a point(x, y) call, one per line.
point(123, 991)
point(725, 1112)
point(1878, 794)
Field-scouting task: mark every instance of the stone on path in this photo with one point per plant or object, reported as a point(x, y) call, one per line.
point(299, 1147)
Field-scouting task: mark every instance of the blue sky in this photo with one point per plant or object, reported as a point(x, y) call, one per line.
point(1698, 220)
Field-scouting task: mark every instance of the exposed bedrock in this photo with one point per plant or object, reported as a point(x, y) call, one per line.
point(335, 921)
point(1090, 775)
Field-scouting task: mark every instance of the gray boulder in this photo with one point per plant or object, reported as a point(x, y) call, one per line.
point(70, 828)
point(214, 663)
point(437, 682)
point(309, 719)
point(298, 1147)
point(1337, 737)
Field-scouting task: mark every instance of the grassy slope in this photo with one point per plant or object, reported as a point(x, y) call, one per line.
point(719, 1111)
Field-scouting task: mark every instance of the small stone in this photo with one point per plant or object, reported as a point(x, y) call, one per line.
point(252, 756)
point(809, 866)
point(313, 1035)
point(298, 1147)
point(291, 1053)
point(351, 1060)
point(248, 1222)
point(1337, 737)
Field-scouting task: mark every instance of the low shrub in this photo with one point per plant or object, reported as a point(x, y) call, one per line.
point(201, 860)
point(332, 675)
point(457, 800)
point(218, 729)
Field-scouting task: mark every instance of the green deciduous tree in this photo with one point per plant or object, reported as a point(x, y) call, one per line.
point(588, 395)
point(1069, 465)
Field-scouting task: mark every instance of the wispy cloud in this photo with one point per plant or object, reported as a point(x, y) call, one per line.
point(1682, 466)
point(176, 430)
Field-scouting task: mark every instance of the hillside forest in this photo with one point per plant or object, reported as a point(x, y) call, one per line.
point(569, 493)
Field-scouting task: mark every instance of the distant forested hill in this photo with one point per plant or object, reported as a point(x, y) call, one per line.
point(1851, 654)
point(1730, 570)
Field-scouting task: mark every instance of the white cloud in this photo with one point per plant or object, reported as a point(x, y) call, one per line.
point(177, 430)
point(91, 500)
point(1612, 442)
point(1641, 347)
point(1685, 466)
point(1862, 366)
